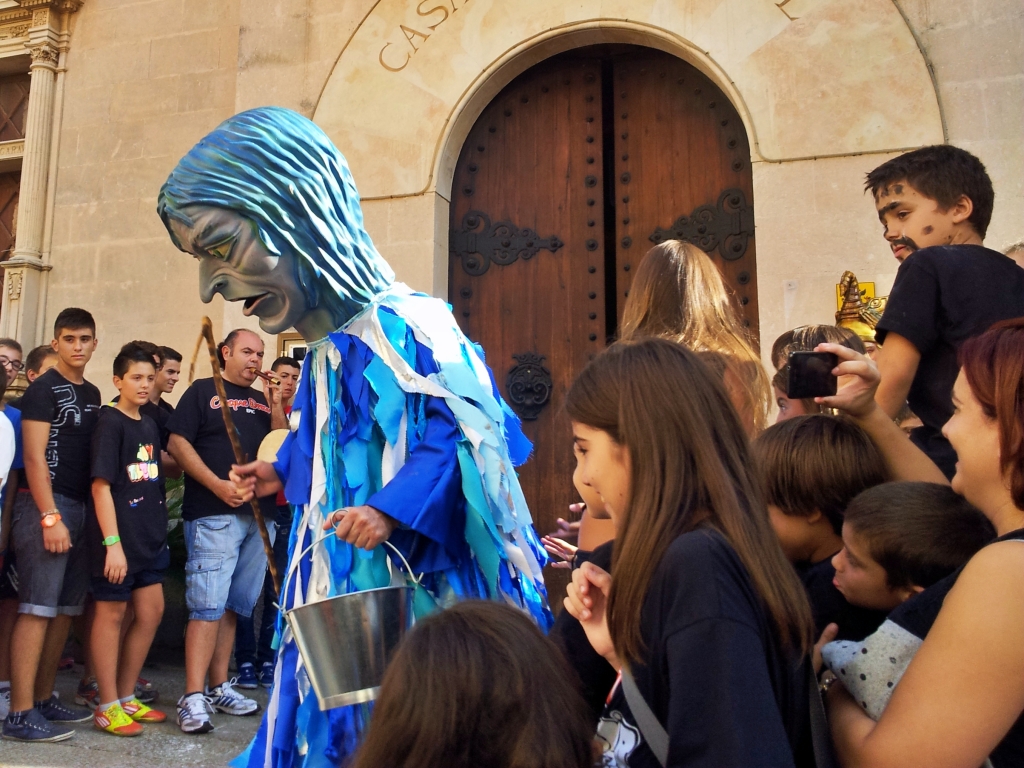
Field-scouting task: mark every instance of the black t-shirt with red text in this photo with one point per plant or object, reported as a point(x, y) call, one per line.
point(198, 419)
point(126, 453)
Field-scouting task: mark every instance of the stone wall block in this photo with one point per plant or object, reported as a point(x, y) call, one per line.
point(206, 14)
point(87, 106)
point(152, 97)
point(199, 91)
point(188, 52)
point(148, 20)
point(113, 63)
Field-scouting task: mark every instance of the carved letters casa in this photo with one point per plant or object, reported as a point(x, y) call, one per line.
point(416, 33)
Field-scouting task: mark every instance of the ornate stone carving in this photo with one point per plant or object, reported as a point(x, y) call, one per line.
point(529, 385)
point(13, 30)
point(43, 55)
point(14, 281)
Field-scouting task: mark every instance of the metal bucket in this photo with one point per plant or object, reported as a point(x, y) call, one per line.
point(347, 641)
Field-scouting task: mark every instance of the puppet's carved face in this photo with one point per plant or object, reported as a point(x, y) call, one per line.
point(235, 263)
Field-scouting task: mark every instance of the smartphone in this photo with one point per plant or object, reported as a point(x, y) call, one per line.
point(810, 375)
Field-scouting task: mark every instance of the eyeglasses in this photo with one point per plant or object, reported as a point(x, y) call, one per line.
point(8, 363)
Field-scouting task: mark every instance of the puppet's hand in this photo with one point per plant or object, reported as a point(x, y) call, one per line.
point(257, 478)
point(363, 527)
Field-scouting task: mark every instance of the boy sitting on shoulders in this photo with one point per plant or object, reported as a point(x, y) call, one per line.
point(935, 204)
point(128, 542)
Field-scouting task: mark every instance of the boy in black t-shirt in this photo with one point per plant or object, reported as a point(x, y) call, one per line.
point(935, 204)
point(128, 542)
point(59, 411)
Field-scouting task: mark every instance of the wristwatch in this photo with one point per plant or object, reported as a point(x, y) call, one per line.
point(51, 518)
point(111, 541)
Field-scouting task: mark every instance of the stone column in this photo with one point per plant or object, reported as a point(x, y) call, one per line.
point(24, 272)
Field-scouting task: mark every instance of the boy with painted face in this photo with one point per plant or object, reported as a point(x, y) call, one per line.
point(935, 205)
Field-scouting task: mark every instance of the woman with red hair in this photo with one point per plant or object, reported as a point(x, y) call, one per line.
point(961, 701)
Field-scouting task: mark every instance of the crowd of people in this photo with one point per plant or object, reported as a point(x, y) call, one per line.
point(828, 589)
point(85, 527)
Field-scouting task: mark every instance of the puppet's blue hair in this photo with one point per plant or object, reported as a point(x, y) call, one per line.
point(279, 170)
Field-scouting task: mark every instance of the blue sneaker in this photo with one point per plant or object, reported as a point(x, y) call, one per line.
point(267, 675)
point(34, 727)
point(56, 712)
point(247, 677)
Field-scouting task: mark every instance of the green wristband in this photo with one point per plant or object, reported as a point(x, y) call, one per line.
point(111, 540)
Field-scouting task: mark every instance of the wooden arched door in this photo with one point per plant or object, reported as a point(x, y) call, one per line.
point(568, 177)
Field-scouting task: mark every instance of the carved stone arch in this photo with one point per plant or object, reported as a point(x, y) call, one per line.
point(806, 77)
point(826, 89)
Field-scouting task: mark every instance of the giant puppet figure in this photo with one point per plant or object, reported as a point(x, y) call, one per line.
point(398, 431)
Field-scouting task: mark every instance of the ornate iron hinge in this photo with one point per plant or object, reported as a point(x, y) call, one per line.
point(479, 243)
point(727, 226)
point(529, 385)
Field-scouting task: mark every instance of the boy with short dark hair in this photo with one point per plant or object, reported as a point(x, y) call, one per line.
point(935, 204)
point(39, 361)
point(811, 467)
point(128, 540)
point(59, 411)
point(899, 538)
point(903, 543)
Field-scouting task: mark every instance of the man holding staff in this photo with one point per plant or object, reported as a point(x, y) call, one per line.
point(226, 563)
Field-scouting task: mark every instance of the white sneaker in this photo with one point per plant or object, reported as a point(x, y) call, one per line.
point(5, 703)
point(226, 699)
point(194, 714)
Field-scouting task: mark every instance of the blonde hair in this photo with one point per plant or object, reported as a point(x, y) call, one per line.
point(678, 294)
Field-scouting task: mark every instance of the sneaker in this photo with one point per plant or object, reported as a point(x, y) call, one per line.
point(226, 699)
point(267, 675)
point(35, 727)
point(5, 703)
point(194, 714)
point(140, 713)
point(56, 712)
point(247, 677)
point(116, 721)
point(68, 662)
point(88, 694)
point(145, 692)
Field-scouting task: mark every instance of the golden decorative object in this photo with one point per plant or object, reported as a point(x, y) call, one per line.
point(859, 316)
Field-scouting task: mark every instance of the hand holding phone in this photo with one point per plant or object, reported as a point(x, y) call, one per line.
point(810, 375)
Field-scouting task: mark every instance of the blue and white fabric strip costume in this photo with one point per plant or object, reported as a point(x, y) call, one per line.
point(398, 411)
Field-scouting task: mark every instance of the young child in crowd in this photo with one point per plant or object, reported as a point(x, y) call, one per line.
point(811, 467)
point(128, 540)
point(39, 361)
point(935, 204)
point(898, 540)
point(803, 339)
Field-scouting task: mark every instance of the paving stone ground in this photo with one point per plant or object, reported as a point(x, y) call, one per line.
point(161, 746)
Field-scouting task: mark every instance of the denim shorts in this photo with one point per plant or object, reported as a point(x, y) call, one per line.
point(48, 583)
point(226, 565)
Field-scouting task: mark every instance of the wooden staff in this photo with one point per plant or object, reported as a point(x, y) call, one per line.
point(236, 443)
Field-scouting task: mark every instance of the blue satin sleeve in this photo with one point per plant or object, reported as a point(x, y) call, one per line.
point(425, 496)
point(284, 458)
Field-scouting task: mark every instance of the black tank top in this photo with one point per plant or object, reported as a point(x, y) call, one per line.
point(1010, 751)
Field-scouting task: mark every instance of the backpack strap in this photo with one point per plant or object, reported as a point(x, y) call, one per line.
point(653, 732)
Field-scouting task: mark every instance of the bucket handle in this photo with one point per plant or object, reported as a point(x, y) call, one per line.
point(298, 560)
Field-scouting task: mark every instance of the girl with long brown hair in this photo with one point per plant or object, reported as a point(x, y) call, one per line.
point(477, 685)
point(678, 294)
point(701, 606)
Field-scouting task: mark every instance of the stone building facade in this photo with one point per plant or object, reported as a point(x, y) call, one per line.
point(120, 89)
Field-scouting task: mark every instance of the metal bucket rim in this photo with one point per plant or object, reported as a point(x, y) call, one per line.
point(348, 594)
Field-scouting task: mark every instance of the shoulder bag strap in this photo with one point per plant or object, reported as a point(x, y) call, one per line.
point(652, 731)
point(821, 738)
